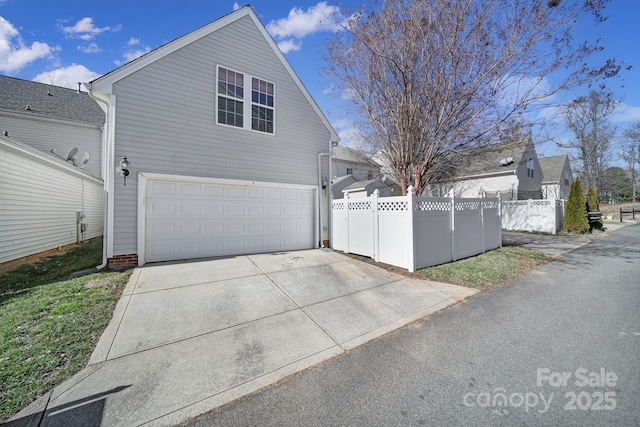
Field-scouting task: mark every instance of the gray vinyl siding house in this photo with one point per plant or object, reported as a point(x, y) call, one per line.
point(162, 114)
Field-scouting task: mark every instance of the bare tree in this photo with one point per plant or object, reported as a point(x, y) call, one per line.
point(431, 78)
point(631, 152)
point(586, 117)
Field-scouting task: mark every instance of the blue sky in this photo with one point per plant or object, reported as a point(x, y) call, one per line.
point(66, 41)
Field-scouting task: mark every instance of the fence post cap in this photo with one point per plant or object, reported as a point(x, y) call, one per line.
point(411, 190)
point(376, 192)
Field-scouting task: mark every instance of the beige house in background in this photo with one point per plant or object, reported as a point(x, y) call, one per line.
point(351, 161)
point(557, 177)
point(511, 167)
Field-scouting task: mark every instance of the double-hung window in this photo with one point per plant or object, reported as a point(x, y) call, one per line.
point(261, 105)
point(530, 168)
point(230, 98)
point(235, 103)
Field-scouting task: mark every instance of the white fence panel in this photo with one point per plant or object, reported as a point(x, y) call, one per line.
point(416, 232)
point(433, 231)
point(468, 233)
point(394, 231)
point(361, 230)
point(340, 226)
point(491, 222)
point(531, 215)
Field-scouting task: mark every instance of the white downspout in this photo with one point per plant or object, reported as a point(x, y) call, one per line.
point(106, 175)
point(329, 155)
point(318, 198)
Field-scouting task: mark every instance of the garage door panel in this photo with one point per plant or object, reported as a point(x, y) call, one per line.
point(195, 219)
point(162, 187)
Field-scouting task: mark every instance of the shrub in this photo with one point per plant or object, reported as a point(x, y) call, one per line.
point(575, 218)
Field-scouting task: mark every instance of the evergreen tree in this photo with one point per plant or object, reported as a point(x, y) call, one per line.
point(575, 218)
point(593, 206)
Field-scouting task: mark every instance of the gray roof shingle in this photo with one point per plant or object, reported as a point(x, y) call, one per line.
point(552, 167)
point(487, 159)
point(41, 99)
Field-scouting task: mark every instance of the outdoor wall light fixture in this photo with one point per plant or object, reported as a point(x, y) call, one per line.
point(124, 167)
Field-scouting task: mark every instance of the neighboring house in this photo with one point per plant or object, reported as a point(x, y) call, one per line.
point(511, 167)
point(340, 183)
point(45, 202)
point(225, 147)
point(351, 161)
point(366, 188)
point(556, 177)
point(49, 117)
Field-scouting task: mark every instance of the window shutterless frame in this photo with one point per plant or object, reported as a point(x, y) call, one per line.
point(244, 101)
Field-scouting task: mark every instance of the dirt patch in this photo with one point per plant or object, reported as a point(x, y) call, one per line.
point(94, 283)
point(12, 265)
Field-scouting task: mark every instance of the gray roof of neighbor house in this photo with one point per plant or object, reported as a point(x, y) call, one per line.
point(27, 97)
point(348, 154)
point(552, 167)
point(377, 182)
point(491, 158)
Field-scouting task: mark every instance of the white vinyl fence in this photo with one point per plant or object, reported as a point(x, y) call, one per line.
point(415, 232)
point(543, 216)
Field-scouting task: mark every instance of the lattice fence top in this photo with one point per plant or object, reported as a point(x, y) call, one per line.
point(491, 204)
point(467, 205)
point(338, 205)
point(542, 202)
point(395, 205)
point(359, 205)
point(433, 205)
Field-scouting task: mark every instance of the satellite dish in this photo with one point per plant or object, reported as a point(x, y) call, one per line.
point(85, 159)
point(72, 153)
point(507, 161)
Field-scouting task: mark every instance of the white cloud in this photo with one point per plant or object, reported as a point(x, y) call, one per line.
point(288, 45)
point(84, 29)
point(236, 6)
point(299, 23)
point(625, 113)
point(131, 55)
point(90, 48)
point(133, 41)
point(67, 76)
point(14, 54)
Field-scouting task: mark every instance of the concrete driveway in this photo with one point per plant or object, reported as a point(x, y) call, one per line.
point(188, 337)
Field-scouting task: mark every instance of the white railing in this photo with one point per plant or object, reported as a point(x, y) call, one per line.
point(542, 216)
point(415, 232)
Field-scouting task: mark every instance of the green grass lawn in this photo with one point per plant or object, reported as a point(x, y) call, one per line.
point(484, 271)
point(487, 270)
point(50, 324)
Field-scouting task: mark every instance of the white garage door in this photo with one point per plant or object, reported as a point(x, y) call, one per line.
point(205, 219)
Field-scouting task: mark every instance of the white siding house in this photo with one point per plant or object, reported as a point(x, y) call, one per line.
point(40, 196)
point(511, 167)
point(351, 161)
point(225, 146)
point(50, 117)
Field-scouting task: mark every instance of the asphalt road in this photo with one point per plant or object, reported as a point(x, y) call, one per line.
point(560, 346)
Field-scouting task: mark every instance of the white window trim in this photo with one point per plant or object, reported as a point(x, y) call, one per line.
point(247, 101)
